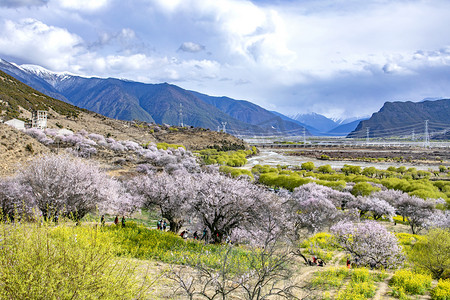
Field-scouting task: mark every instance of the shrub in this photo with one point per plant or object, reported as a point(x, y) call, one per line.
point(363, 189)
point(412, 283)
point(42, 262)
point(330, 278)
point(308, 166)
point(357, 290)
point(325, 169)
point(432, 253)
point(442, 290)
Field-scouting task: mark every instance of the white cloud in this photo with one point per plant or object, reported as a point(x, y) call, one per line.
point(333, 55)
point(38, 43)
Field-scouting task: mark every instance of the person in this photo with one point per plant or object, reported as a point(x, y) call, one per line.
point(102, 220)
point(195, 235)
point(123, 221)
point(158, 225)
point(116, 220)
point(320, 262)
point(183, 234)
point(205, 232)
point(164, 225)
point(348, 263)
point(314, 259)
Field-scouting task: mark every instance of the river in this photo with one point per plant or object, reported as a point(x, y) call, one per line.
point(273, 157)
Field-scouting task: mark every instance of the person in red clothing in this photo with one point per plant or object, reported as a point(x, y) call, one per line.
point(116, 220)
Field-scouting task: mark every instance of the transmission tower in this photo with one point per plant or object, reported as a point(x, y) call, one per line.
point(223, 127)
point(367, 135)
point(181, 115)
point(427, 136)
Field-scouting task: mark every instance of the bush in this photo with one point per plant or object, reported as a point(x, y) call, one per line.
point(166, 146)
point(325, 169)
point(357, 290)
point(308, 166)
point(412, 283)
point(431, 253)
point(42, 262)
point(363, 189)
point(330, 278)
point(442, 290)
point(323, 240)
point(235, 172)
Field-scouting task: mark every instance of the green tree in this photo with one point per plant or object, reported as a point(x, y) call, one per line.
point(308, 166)
point(363, 189)
point(348, 169)
point(325, 169)
point(433, 253)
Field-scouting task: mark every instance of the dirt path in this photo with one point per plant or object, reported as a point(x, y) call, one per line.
point(383, 289)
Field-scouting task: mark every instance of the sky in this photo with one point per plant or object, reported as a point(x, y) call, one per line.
point(340, 58)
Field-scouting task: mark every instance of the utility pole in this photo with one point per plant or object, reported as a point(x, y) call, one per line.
point(367, 135)
point(413, 135)
point(223, 126)
point(427, 137)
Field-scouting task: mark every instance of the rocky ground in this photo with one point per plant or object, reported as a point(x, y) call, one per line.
point(16, 147)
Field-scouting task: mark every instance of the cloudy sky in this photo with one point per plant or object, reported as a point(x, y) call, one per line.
point(341, 58)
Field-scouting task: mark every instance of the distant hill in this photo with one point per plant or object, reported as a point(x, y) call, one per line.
point(250, 113)
point(159, 103)
point(401, 119)
point(345, 129)
point(317, 121)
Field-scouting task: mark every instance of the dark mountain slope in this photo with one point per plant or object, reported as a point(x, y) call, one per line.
point(402, 118)
point(16, 96)
point(248, 112)
point(33, 81)
point(158, 103)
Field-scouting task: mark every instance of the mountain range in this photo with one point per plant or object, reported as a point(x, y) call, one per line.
point(158, 103)
point(321, 125)
point(408, 119)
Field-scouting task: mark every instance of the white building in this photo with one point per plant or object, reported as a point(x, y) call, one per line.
point(16, 124)
point(39, 119)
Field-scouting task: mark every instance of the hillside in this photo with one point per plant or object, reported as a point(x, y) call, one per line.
point(248, 112)
point(18, 100)
point(159, 103)
point(401, 119)
point(15, 96)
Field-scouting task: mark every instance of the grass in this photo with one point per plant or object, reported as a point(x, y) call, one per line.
point(140, 242)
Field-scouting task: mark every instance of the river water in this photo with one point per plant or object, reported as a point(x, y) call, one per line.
point(273, 157)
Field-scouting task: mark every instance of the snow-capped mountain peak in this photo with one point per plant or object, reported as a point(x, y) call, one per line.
point(53, 78)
